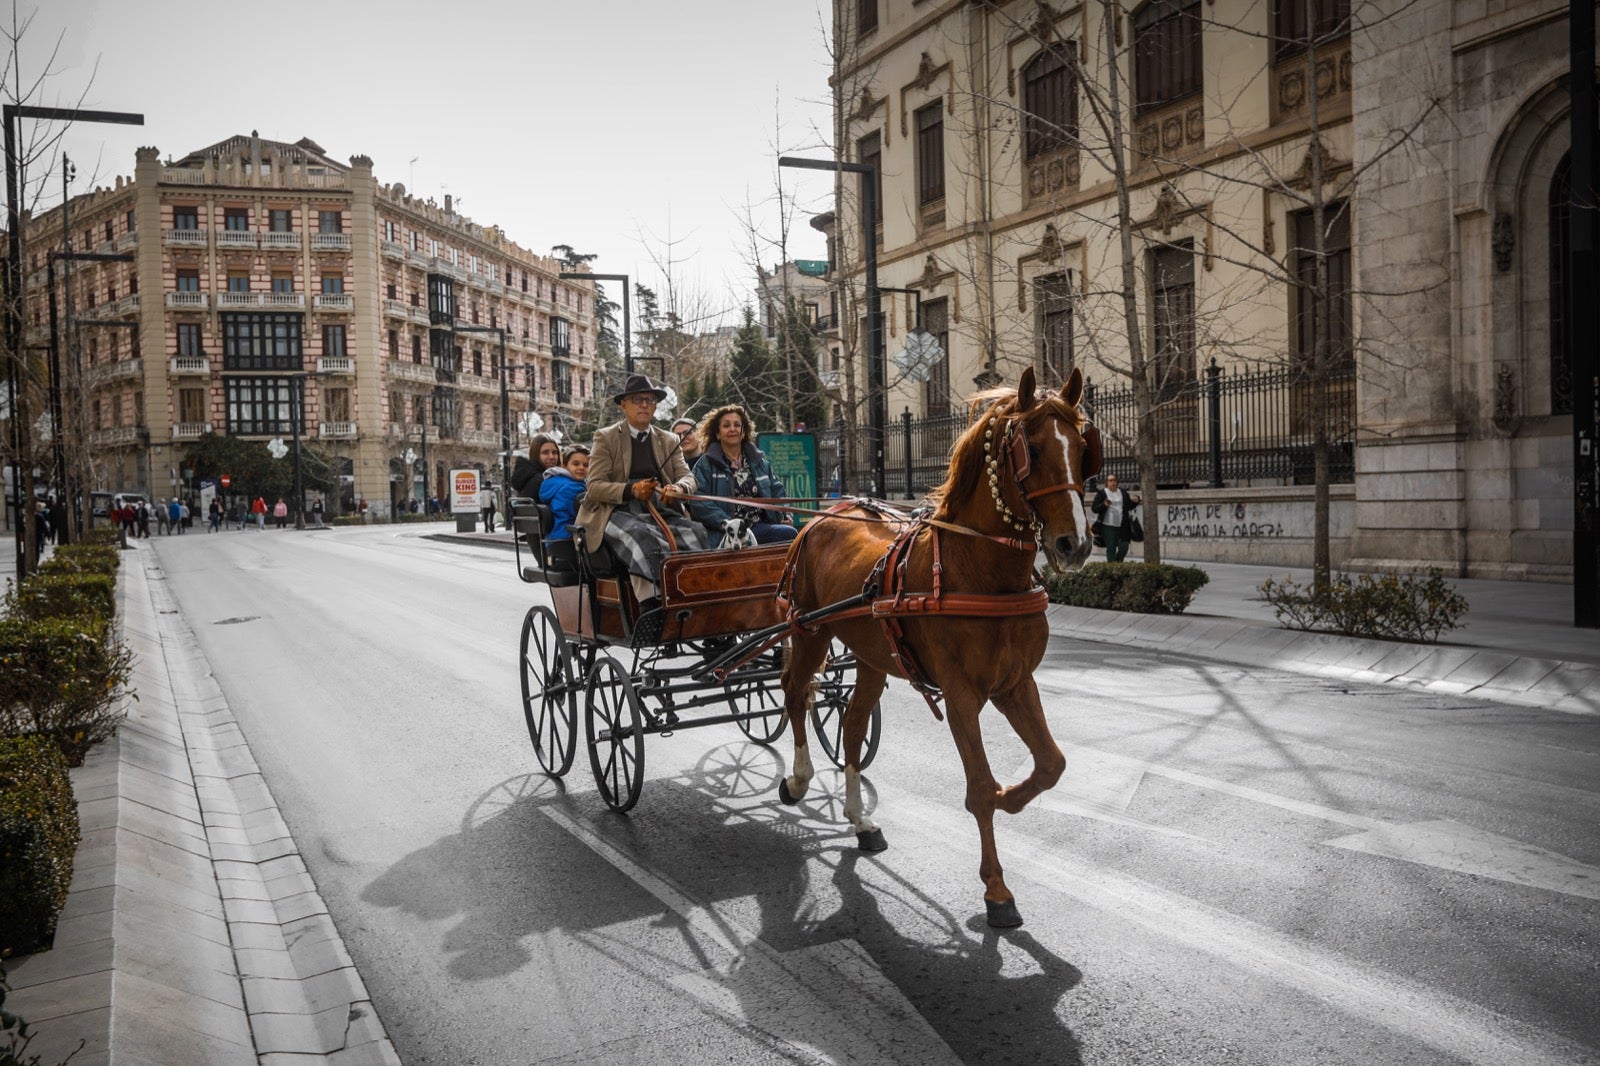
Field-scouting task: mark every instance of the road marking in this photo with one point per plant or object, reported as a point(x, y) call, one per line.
point(1101, 785)
point(1438, 1019)
point(829, 1003)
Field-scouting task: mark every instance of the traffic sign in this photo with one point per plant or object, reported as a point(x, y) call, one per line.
point(226, 480)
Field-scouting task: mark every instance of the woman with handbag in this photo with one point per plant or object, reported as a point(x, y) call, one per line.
point(1114, 506)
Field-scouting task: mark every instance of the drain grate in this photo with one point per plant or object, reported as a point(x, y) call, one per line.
point(236, 621)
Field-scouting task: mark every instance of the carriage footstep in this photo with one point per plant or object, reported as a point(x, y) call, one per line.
point(1003, 915)
point(872, 840)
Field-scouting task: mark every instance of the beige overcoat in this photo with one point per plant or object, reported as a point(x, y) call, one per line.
point(608, 483)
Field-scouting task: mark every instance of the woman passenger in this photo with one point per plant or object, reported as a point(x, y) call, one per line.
point(731, 465)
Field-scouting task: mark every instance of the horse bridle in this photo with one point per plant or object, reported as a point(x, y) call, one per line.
point(1019, 462)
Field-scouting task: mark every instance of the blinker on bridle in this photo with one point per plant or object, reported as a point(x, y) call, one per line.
point(1019, 461)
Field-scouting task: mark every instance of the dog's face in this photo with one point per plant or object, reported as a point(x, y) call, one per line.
point(736, 535)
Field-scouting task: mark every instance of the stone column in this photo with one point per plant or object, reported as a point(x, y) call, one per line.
point(371, 459)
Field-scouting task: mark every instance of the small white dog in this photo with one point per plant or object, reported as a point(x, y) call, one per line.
point(736, 534)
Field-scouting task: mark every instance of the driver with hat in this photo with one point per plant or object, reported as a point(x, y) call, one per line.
point(632, 461)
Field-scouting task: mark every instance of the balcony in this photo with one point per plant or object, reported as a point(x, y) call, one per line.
point(829, 379)
point(118, 436)
point(335, 364)
point(118, 371)
point(397, 308)
point(479, 438)
point(127, 305)
point(336, 429)
point(281, 241)
point(190, 430)
point(235, 238)
point(184, 238)
point(330, 242)
point(186, 365)
point(296, 300)
point(333, 301)
point(421, 372)
point(393, 249)
point(127, 241)
point(188, 301)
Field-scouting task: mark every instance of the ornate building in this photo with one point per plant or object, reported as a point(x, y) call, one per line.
point(265, 275)
point(1411, 159)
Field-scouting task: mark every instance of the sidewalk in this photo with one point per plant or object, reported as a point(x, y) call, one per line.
point(1518, 643)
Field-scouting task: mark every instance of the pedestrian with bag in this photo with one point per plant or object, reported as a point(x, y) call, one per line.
point(280, 513)
point(1116, 525)
point(258, 510)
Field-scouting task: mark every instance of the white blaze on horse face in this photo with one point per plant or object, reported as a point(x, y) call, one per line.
point(1080, 517)
point(853, 808)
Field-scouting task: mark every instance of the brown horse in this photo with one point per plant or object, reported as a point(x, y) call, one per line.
point(1015, 486)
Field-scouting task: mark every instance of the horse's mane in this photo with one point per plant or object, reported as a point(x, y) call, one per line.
point(967, 472)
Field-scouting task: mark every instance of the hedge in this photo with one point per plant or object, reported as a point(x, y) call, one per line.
point(1409, 607)
point(60, 677)
point(38, 836)
point(63, 594)
point(82, 559)
point(1144, 588)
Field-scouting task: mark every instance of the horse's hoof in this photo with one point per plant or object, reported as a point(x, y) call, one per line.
point(872, 840)
point(784, 795)
point(1003, 915)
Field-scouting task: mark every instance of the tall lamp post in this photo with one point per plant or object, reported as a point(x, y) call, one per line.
point(877, 398)
point(13, 287)
point(627, 321)
point(505, 411)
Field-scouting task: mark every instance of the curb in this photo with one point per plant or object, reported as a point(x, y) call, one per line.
point(192, 932)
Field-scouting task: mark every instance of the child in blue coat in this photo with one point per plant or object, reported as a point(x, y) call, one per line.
point(563, 487)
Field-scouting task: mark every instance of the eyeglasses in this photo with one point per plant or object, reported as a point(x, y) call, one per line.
point(642, 400)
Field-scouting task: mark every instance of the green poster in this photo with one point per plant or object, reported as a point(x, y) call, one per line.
point(794, 459)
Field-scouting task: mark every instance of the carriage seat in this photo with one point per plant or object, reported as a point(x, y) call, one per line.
point(555, 561)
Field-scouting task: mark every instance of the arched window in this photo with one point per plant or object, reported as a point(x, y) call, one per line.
point(1050, 102)
point(1561, 288)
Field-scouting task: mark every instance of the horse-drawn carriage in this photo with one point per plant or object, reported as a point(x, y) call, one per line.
point(947, 598)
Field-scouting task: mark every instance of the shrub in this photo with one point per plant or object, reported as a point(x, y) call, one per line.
point(103, 535)
point(1145, 588)
point(60, 677)
point(64, 594)
point(38, 836)
point(82, 559)
point(1382, 606)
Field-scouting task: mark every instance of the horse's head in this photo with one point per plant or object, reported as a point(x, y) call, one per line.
point(1050, 451)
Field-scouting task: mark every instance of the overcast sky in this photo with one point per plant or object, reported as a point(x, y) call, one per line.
point(610, 125)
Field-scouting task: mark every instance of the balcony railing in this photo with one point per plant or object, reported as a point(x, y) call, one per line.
point(189, 364)
point(189, 301)
point(261, 299)
point(127, 305)
point(397, 308)
point(336, 429)
point(335, 364)
point(190, 238)
point(334, 301)
point(125, 368)
point(393, 249)
point(479, 438)
point(235, 238)
point(127, 240)
point(281, 240)
point(115, 437)
point(330, 242)
point(190, 430)
point(422, 372)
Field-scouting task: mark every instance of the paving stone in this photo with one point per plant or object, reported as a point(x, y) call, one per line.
point(166, 1038)
point(45, 966)
point(301, 905)
point(263, 962)
point(64, 996)
point(56, 1038)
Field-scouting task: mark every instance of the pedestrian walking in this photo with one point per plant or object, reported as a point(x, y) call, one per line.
point(1116, 524)
point(119, 518)
point(163, 518)
point(143, 518)
point(316, 511)
point(280, 513)
point(258, 509)
point(174, 515)
point(486, 507)
point(214, 515)
point(185, 516)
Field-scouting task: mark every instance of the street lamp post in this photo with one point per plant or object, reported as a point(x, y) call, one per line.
point(505, 412)
point(877, 398)
point(13, 288)
point(627, 321)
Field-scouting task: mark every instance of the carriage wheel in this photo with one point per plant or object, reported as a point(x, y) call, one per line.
point(615, 728)
point(835, 685)
point(549, 691)
point(759, 718)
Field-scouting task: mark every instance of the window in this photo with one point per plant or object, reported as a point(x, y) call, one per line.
point(282, 281)
point(332, 284)
point(1298, 23)
point(390, 231)
point(416, 348)
point(192, 405)
point(560, 337)
point(869, 150)
point(441, 300)
point(477, 416)
point(1561, 288)
point(419, 410)
point(189, 341)
point(1309, 332)
point(1166, 53)
point(336, 405)
point(131, 216)
point(866, 16)
point(477, 361)
point(281, 220)
point(389, 290)
point(261, 341)
point(188, 280)
point(238, 281)
point(561, 381)
point(330, 222)
point(236, 219)
point(333, 341)
point(416, 241)
point(260, 406)
point(930, 154)
point(111, 230)
point(1053, 301)
point(394, 344)
point(1172, 318)
point(1050, 103)
point(936, 390)
point(186, 218)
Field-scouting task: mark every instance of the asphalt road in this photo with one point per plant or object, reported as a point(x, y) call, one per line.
point(1238, 867)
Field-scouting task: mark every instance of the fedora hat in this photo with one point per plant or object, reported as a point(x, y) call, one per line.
point(639, 383)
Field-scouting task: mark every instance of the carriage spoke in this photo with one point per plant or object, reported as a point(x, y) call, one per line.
point(549, 701)
point(614, 721)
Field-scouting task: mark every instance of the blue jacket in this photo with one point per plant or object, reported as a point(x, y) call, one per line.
point(713, 476)
point(561, 491)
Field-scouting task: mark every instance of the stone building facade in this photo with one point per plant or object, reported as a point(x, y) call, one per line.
point(259, 265)
point(1424, 141)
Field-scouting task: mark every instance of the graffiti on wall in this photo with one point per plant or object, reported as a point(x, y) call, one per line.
point(1237, 520)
